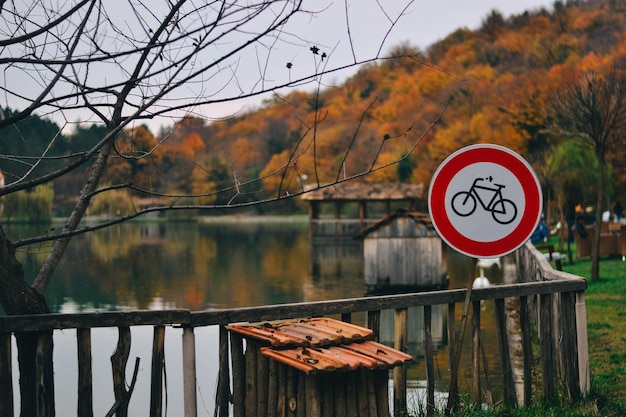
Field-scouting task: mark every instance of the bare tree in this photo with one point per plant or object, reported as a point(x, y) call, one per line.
point(123, 63)
point(592, 106)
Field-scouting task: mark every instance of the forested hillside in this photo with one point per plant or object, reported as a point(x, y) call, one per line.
point(493, 84)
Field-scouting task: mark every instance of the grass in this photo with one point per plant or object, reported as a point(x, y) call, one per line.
point(606, 320)
point(606, 326)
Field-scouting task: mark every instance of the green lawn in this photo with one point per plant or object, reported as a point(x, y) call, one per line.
point(606, 317)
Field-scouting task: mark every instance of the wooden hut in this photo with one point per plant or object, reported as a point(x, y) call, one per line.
point(345, 209)
point(403, 250)
point(316, 367)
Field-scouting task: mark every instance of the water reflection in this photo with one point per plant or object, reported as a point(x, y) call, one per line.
point(198, 266)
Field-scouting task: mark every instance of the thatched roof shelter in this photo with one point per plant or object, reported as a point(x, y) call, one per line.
point(357, 191)
point(339, 195)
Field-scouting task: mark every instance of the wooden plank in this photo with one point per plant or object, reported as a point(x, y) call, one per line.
point(284, 311)
point(272, 387)
point(363, 399)
point(476, 393)
point(158, 363)
point(252, 350)
point(6, 379)
point(527, 351)
point(223, 382)
point(323, 308)
point(346, 317)
point(338, 380)
point(313, 396)
point(546, 347)
point(569, 359)
point(301, 404)
point(429, 354)
point(328, 394)
point(282, 390)
point(262, 380)
point(381, 383)
point(452, 342)
point(371, 394)
point(508, 385)
point(292, 391)
point(239, 374)
point(351, 394)
point(582, 344)
point(189, 373)
point(373, 323)
point(85, 376)
point(53, 321)
point(399, 372)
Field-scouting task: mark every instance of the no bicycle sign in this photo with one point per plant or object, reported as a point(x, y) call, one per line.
point(485, 200)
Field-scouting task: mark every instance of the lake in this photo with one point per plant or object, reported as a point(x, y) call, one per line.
point(218, 263)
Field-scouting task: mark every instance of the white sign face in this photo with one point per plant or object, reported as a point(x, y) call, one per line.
point(485, 201)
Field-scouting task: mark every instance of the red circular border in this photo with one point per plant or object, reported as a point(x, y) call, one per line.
point(498, 155)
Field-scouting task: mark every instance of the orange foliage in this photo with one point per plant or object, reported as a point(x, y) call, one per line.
point(496, 83)
point(192, 144)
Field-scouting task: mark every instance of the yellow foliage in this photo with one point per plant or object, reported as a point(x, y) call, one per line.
point(385, 169)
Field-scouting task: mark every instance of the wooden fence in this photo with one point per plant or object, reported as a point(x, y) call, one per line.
point(551, 302)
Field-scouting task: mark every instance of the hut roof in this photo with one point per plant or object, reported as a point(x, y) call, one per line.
point(418, 217)
point(356, 191)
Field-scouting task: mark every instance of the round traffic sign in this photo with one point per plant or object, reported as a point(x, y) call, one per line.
point(485, 200)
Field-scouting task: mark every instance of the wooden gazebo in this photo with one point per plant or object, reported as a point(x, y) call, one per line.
point(344, 223)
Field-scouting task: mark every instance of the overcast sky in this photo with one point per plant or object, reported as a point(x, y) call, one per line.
point(262, 65)
point(424, 23)
point(430, 21)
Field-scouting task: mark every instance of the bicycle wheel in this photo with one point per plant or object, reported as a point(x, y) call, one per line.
point(504, 211)
point(463, 203)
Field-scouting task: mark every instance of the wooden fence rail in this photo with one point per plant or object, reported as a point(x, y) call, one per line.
point(552, 300)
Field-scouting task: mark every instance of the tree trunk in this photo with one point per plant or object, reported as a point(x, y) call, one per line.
point(17, 297)
point(595, 248)
point(34, 348)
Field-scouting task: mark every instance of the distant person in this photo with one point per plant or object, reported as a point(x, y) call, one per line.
point(580, 226)
point(541, 233)
point(618, 211)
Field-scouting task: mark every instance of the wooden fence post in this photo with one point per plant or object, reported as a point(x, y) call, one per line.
point(568, 357)
point(156, 380)
point(428, 359)
point(453, 393)
point(527, 350)
point(6, 376)
point(505, 357)
point(373, 323)
point(399, 372)
point(85, 381)
point(546, 342)
point(582, 344)
point(251, 386)
point(189, 372)
point(223, 382)
point(476, 396)
point(239, 374)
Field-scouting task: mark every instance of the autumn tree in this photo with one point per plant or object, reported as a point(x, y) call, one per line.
point(119, 65)
point(592, 106)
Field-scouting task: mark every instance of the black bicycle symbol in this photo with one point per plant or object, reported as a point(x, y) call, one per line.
point(502, 210)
